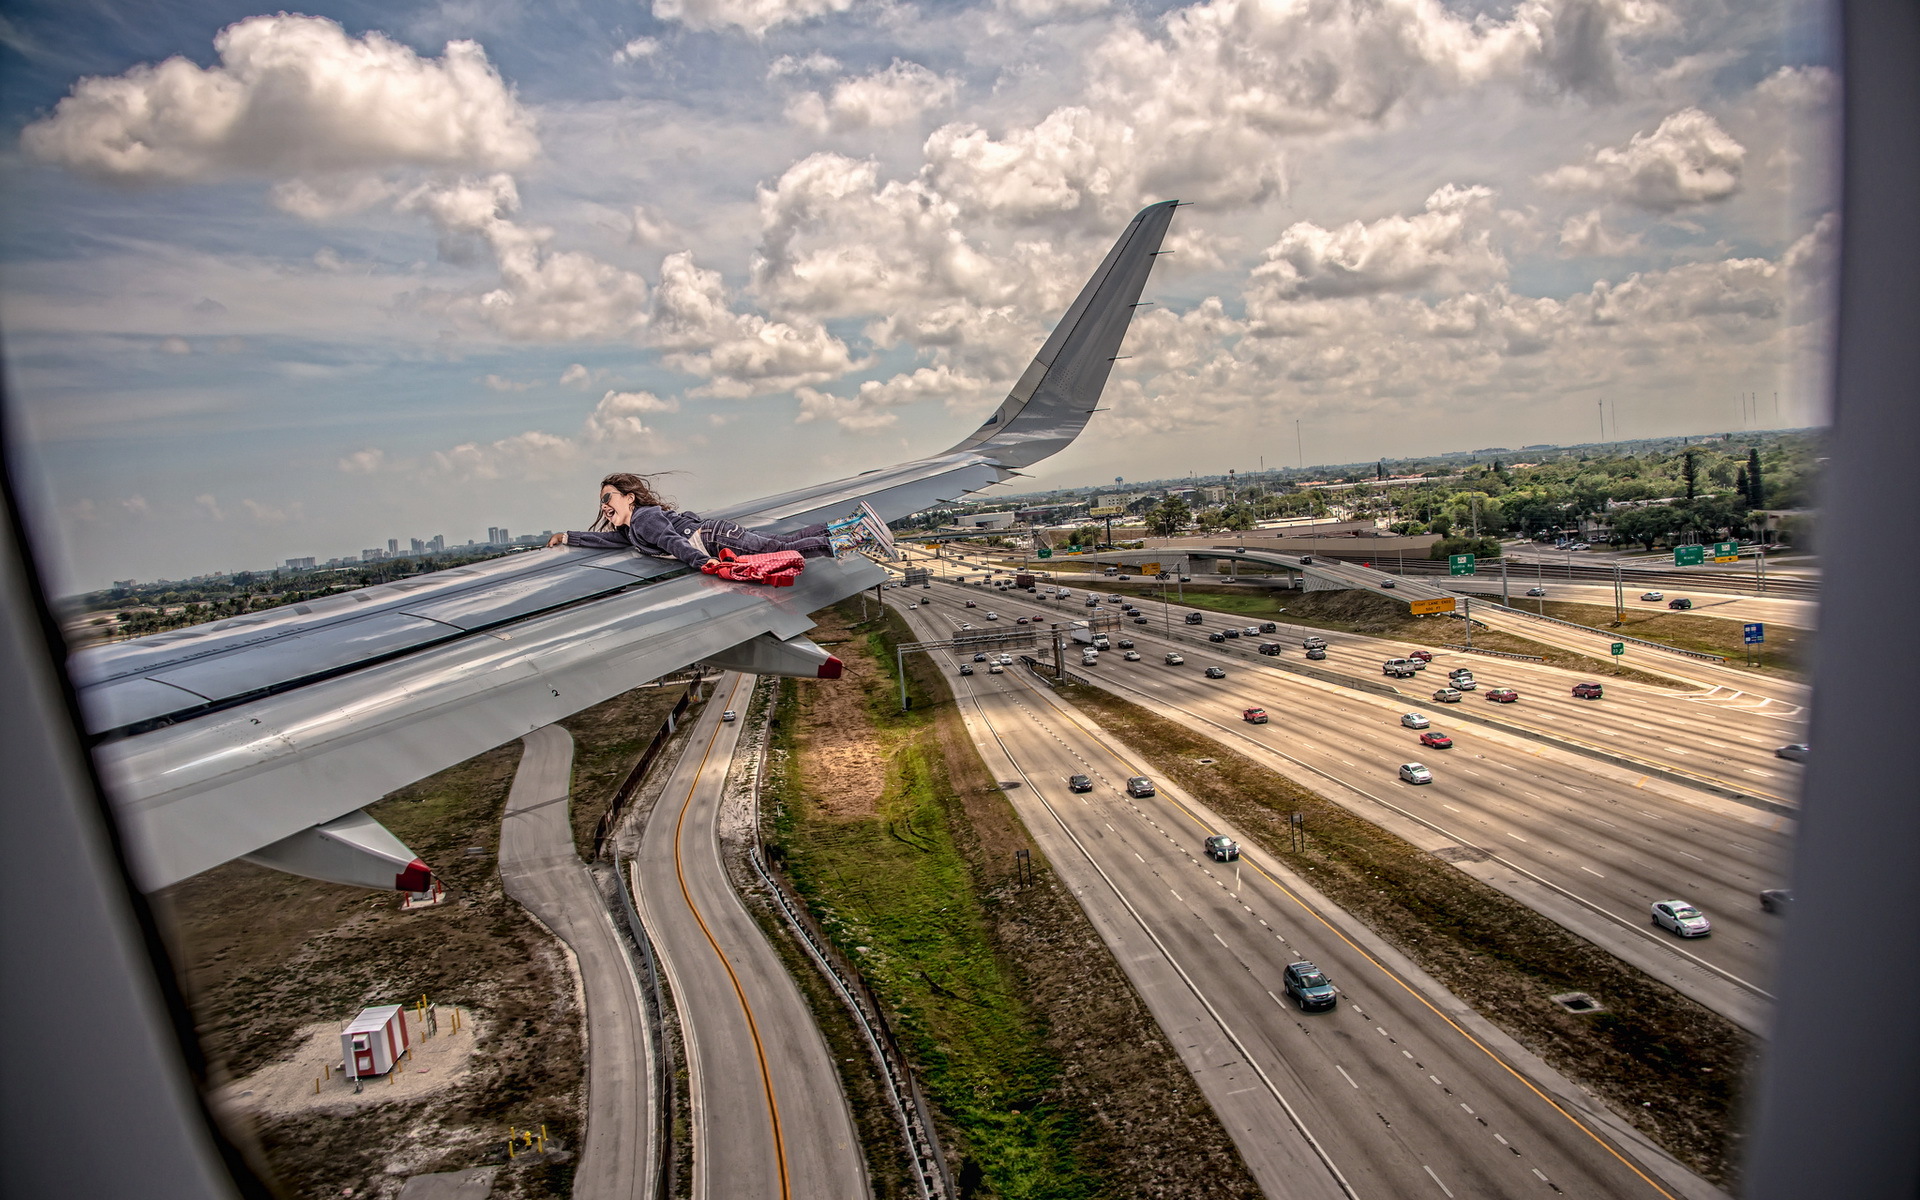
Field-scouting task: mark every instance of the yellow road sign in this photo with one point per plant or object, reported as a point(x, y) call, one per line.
point(1109, 511)
point(1149, 568)
point(1422, 607)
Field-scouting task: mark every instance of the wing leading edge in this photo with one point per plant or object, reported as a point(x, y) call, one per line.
point(225, 739)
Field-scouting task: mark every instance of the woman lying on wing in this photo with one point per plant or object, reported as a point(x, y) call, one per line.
point(633, 515)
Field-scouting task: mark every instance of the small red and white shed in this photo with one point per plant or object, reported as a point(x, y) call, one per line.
point(373, 1041)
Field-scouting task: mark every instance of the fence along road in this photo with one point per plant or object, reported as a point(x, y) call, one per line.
point(769, 1118)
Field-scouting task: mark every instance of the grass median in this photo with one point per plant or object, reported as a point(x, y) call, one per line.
point(1048, 1076)
point(1667, 1063)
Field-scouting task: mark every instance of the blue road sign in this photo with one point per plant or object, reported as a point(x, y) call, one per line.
point(1756, 633)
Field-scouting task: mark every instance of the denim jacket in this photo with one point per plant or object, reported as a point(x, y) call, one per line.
point(661, 532)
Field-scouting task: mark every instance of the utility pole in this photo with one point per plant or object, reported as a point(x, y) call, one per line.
point(1619, 596)
point(1298, 445)
point(1503, 582)
point(1466, 607)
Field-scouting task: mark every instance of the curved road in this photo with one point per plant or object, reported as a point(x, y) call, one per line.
point(541, 871)
point(770, 1121)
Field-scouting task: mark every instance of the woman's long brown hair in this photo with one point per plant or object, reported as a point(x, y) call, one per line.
point(640, 487)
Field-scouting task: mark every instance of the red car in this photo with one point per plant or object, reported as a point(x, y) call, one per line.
point(1588, 691)
point(1503, 695)
point(1422, 655)
point(1439, 741)
point(1254, 716)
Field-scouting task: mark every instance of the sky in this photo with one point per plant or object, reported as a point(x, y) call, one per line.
point(276, 285)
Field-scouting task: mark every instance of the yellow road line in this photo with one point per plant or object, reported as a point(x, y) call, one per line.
point(753, 1028)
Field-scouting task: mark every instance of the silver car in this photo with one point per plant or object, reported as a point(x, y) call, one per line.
point(1414, 720)
point(1415, 773)
point(1681, 917)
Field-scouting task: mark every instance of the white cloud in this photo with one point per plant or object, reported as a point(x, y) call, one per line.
point(297, 101)
point(637, 49)
point(363, 462)
point(750, 16)
point(619, 414)
point(651, 229)
point(1586, 235)
point(137, 506)
point(896, 95)
point(870, 407)
point(1051, 10)
point(814, 63)
point(210, 506)
point(1800, 87)
point(1432, 249)
point(577, 375)
point(267, 514)
point(739, 354)
point(175, 345)
point(544, 295)
point(1687, 162)
point(500, 383)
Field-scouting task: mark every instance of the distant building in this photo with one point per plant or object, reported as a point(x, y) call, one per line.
point(419, 547)
point(300, 564)
point(999, 520)
point(393, 546)
point(125, 583)
point(1213, 495)
point(367, 556)
point(438, 545)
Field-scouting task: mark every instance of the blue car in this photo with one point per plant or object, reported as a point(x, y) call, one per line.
point(1309, 987)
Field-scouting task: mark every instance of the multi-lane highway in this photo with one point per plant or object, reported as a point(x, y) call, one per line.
point(769, 1119)
point(1400, 1091)
point(1707, 601)
point(1588, 841)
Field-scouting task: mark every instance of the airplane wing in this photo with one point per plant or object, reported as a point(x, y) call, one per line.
point(261, 736)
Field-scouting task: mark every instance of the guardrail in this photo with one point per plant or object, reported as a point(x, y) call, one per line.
point(1494, 653)
point(1608, 633)
point(656, 1007)
point(916, 1126)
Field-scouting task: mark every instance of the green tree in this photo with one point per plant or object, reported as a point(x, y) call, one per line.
point(1690, 473)
point(1756, 486)
point(1647, 525)
point(1169, 517)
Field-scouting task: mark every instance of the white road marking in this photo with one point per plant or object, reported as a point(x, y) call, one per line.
point(1591, 871)
point(1136, 854)
point(1444, 804)
point(1178, 896)
point(1501, 1140)
point(1444, 1187)
point(1345, 1076)
point(1516, 837)
point(1463, 1104)
point(1221, 940)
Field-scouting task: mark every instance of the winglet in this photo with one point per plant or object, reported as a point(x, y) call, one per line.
point(1059, 390)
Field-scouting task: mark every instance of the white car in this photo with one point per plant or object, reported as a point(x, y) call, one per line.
point(966, 624)
point(1131, 656)
point(993, 616)
point(1006, 660)
point(1653, 595)
point(1174, 660)
point(729, 715)
point(1536, 591)
point(995, 669)
point(1681, 917)
point(1415, 773)
point(1414, 720)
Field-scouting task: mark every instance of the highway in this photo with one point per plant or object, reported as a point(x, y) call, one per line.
point(1401, 1090)
point(1707, 602)
point(540, 870)
point(769, 1118)
point(1588, 842)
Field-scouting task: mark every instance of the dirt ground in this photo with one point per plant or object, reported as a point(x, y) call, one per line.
point(844, 769)
point(309, 1077)
point(267, 958)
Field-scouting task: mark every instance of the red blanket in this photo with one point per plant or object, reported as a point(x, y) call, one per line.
point(776, 569)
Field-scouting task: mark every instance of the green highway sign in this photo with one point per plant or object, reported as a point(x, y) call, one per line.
point(1726, 552)
point(1689, 556)
point(1045, 552)
point(1460, 564)
point(1619, 647)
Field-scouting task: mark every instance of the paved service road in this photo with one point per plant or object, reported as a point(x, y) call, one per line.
point(539, 869)
point(1403, 1090)
point(769, 1117)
